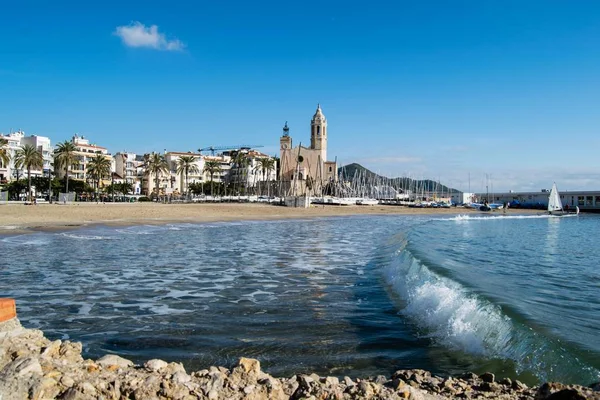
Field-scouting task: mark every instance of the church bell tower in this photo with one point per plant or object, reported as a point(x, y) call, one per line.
point(285, 141)
point(318, 133)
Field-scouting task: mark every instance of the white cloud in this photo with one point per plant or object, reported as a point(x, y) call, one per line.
point(137, 34)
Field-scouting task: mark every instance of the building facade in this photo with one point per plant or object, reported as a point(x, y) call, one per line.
point(177, 180)
point(251, 173)
point(305, 170)
point(128, 166)
point(85, 152)
point(15, 141)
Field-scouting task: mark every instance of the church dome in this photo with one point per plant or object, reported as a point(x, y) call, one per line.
point(319, 117)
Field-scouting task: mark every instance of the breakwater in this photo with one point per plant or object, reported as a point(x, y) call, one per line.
point(34, 367)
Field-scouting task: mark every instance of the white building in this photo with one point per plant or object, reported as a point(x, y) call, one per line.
point(177, 181)
point(127, 166)
point(252, 174)
point(224, 161)
point(15, 141)
point(42, 144)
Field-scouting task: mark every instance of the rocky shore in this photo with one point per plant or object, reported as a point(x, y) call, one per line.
point(34, 367)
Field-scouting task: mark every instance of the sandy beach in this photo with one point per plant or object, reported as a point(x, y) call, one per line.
point(16, 218)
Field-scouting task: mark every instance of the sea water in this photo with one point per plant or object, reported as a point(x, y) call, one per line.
point(515, 295)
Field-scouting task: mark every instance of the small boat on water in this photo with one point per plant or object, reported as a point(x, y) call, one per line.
point(555, 206)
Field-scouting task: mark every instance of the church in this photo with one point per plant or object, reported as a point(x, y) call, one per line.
point(305, 170)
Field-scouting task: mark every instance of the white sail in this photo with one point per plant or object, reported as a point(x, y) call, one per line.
point(554, 203)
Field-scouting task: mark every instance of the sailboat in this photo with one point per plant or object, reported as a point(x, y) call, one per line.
point(555, 206)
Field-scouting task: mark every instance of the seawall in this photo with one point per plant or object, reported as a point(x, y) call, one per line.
point(34, 367)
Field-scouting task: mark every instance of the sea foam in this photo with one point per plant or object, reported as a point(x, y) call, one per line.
point(454, 317)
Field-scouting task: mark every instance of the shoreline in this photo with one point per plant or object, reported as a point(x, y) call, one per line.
point(20, 219)
point(33, 367)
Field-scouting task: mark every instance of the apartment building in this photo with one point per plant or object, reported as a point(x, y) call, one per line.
point(15, 141)
point(85, 152)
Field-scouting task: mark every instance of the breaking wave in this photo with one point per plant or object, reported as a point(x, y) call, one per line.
point(465, 217)
point(455, 317)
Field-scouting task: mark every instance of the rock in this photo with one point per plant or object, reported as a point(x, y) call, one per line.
point(506, 382)
point(114, 360)
point(488, 377)
point(332, 381)
point(181, 377)
point(518, 385)
point(348, 381)
point(366, 389)
point(23, 366)
point(87, 388)
point(52, 349)
point(397, 384)
point(249, 365)
point(547, 389)
point(47, 388)
point(468, 376)
point(174, 367)
point(489, 387)
point(567, 394)
point(67, 381)
point(403, 374)
point(70, 351)
point(155, 365)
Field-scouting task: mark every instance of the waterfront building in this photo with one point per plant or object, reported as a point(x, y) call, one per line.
point(177, 181)
point(85, 152)
point(586, 200)
point(127, 166)
point(224, 161)
point(15, 141)
point(251, 173)
point(171, 182)
point(305, 170)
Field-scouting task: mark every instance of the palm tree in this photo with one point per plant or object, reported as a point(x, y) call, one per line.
point(29, 157)
point(185, 165)
point(212, 167)
point(241, 161)
point(156, 164)
point(64, 156)
point(4, 154)
point(97, 168)
point(125, 187)
point(266, 165)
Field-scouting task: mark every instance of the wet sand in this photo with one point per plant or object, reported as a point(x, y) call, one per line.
point(19, 218)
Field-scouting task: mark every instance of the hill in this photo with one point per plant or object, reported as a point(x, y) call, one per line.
point(348, 172)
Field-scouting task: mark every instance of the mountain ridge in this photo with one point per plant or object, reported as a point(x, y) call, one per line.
point(348, 172)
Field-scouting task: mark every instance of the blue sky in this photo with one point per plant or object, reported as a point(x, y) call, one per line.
point(436, 89)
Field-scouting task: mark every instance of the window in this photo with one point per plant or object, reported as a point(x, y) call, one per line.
point(589, 200)
point(597, 200)
point(580, 200)
point(330, 169)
